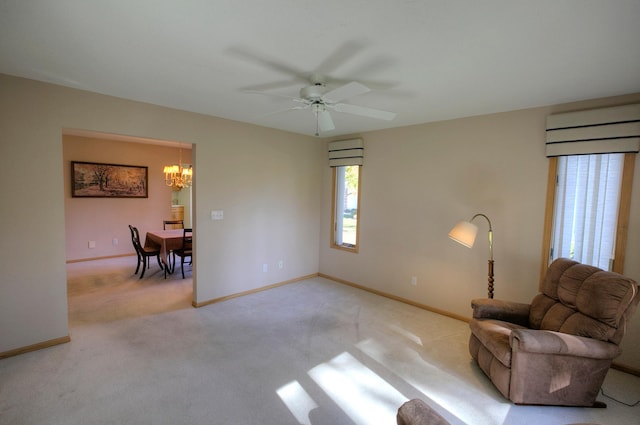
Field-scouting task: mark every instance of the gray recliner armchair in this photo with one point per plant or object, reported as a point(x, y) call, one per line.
point(558, 349)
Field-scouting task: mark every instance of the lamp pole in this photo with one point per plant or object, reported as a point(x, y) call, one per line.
point(490, 286)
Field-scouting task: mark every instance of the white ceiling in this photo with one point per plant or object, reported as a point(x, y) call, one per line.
point(426, 60)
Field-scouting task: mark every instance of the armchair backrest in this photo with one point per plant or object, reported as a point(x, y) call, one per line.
point(583, 300)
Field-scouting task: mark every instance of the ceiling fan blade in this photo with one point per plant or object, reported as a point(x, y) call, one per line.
point(263, 93)
point(364, 111)
point(270, 86)
point(345, 92)
point(340, 56)
point(293, 108)
point(256, 58)
point(325, 123)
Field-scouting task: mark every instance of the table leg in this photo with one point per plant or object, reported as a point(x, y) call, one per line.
point(171, 263)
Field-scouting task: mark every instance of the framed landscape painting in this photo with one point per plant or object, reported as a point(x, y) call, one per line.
point(96, 180)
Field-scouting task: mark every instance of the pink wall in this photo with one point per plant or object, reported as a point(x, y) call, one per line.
point(104, 219)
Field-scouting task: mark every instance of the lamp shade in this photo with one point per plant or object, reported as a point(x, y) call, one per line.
point(464, 233)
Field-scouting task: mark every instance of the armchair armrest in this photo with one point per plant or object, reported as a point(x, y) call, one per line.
point(417, 412)
point(508, 311)
point(550, 342)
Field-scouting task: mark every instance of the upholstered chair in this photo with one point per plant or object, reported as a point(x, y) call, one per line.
point(557, 349)
point(417, 412)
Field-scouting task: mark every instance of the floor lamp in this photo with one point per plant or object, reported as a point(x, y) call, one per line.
point(465, 233)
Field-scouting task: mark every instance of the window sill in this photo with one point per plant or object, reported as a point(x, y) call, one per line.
point(346, 247)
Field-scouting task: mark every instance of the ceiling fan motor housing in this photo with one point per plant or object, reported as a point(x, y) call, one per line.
point(314, 92)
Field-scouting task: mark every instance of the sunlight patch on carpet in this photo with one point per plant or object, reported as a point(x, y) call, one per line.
point(409, 335)
point(453, 394)
point(363, 395)
point(298, 401)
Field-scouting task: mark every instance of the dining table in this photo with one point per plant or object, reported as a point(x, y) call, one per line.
point(167, 241)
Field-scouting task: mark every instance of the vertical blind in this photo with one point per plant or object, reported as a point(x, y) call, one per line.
point(586, 208)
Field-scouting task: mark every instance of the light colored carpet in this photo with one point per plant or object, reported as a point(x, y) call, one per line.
point(314, 352)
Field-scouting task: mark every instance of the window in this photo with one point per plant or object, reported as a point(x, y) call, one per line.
point(592, 156)
point(346, 201)
point(588, 209)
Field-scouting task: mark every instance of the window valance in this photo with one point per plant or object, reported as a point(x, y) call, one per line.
point(605, 130)
point(346, 152)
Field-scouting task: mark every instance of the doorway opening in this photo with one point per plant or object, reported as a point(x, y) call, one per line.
point(101, 262)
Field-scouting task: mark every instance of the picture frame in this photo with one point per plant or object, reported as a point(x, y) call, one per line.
point(100, 180)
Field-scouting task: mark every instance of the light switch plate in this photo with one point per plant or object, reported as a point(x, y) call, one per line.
point(217, 215)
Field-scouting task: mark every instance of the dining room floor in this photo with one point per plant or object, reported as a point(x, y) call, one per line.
point(108, 290)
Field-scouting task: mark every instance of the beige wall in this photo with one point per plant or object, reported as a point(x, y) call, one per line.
point(418, 181)
point(275, 188)
point(103, 219)
point(267, 182)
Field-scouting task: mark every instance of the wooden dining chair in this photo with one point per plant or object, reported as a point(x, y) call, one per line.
point(143, 253)
point(186, 250)
point(173, 224)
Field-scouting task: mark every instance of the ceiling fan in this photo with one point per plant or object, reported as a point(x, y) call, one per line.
point(320, 100)
point(317, 95)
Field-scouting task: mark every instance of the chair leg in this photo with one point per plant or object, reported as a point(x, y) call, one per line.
point(138, 265)
point(144, 267)
point(182, 265)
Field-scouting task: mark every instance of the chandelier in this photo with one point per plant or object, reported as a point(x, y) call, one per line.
point(176, 176)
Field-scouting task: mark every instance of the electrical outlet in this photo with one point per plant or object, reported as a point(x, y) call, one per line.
point(280, 264)
point(265, 268)
point(414, 281)
point(92, 244)
point(115, 241)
